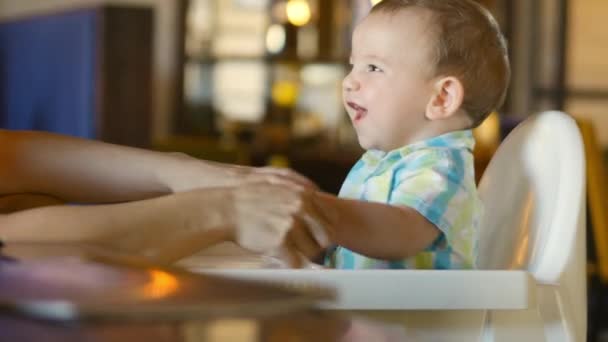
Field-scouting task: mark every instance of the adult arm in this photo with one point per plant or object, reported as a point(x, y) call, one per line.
point(259, 217)
point(88, 171)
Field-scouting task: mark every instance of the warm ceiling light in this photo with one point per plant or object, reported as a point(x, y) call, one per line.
point(284, 93)
point(375, 2)
point(298, 12)
point(275, 38)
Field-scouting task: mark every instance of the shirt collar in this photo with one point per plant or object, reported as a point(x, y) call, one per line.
point(453, 140)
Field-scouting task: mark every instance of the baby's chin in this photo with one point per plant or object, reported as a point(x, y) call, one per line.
point(370, 144)
point(366, 144)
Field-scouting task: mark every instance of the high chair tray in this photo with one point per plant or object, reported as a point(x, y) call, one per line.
point(407, 289)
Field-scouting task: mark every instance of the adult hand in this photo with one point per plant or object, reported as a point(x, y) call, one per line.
point(184, 173)
point(266, 218)
point(279, 218)
point(274, 175)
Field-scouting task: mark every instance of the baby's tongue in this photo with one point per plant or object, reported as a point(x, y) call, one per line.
point(360, 113)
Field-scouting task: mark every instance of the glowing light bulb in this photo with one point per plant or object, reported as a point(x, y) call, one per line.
point(275, 38)
point(298, 12)
point(285, 93)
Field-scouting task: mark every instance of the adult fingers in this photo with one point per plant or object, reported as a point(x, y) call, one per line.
point(300, 238)
point(317, 228)
point(286, 175)
point(289, 253)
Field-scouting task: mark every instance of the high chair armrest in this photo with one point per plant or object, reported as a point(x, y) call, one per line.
point(407, 289)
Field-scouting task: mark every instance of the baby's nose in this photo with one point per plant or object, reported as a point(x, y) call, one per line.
point(349, 83)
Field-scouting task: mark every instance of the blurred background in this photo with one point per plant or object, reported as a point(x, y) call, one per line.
point(258, 82)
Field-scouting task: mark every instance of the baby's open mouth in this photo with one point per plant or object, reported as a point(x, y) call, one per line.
point(359, 111)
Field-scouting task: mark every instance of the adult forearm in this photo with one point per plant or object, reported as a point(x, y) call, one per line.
point(80, 170)
point(166, 228)
point(374, 229)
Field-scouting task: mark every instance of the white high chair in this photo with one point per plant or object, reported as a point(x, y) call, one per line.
point(531, 285)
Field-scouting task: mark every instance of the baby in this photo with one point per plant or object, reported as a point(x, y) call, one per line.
point(424, 73)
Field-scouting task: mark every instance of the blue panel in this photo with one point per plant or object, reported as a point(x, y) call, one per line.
point(47, 73)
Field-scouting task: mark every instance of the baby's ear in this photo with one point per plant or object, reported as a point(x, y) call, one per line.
point(446, 99)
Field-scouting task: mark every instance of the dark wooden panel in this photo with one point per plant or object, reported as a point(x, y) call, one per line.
point(126, 48)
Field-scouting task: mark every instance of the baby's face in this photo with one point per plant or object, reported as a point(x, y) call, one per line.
point(387, 91)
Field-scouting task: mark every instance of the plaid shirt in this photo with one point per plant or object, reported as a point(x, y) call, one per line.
point(436, 178)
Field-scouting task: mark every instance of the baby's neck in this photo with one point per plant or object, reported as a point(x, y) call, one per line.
point(434, 129)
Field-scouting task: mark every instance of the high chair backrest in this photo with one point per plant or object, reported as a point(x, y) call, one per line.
point(532, 192)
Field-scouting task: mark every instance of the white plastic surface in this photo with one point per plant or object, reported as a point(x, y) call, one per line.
point(531, 192)
point(534, 196)
point(409, 290)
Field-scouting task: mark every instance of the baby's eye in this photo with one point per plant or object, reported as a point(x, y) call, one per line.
point(373, 68)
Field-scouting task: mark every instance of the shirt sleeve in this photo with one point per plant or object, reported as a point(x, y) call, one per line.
point(439, 188)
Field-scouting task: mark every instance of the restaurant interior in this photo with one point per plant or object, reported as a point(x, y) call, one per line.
point(259, 83)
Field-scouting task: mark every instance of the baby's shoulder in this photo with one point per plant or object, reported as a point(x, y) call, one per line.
point(435, 161)
point(425, 157)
